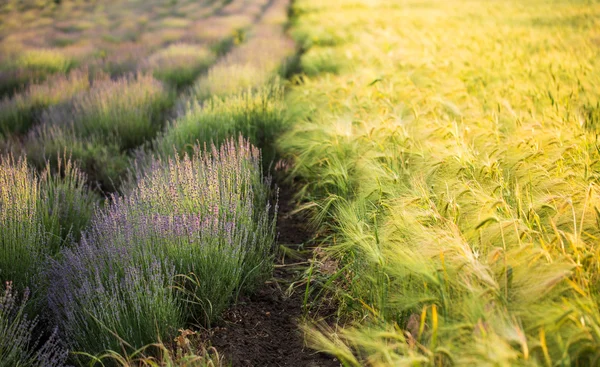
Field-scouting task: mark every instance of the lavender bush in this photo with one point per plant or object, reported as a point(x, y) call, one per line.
point(18, 344)
point(19, 112)
point(99, 126)
point(256, 114)
point(127, 110)
point(179, 64)
point(251, 65)
point(206, 216)
point(21, 232)
point(214, 205)
point(38, 215)
point(20, 67)
point(102, 160)
point(66, 203)
point(108, 293)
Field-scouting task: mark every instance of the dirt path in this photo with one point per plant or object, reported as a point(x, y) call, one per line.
point(262, 330)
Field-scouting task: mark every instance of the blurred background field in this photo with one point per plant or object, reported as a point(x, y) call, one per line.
point(42, 38)
point(103, 77)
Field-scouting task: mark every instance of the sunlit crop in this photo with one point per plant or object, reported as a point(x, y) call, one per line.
point(451, 149)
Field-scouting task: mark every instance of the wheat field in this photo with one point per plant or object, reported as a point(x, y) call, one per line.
point(450, 150)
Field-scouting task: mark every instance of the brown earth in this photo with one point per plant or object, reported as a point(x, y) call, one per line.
point(262, 330)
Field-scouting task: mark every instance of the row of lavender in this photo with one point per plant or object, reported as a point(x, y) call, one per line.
point(192, 233)
point(107, 104)
point(192, 230)
point(39, 214)
point(204, 217)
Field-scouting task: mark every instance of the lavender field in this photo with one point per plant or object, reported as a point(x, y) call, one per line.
point(136, 204)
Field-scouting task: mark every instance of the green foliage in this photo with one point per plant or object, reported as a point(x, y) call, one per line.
point(222, 81)
point(97, 127)
point(204, 214)
point(320, 60)
point(206, 217)
point(182, 354)
point(44, 60)
point(19, 345)
point(254, 64)
point(219, 205)
point(108, 293)
point(40, 214)
point(102, 161)
point(21, 66)
point(126, 111)
point(12, 81)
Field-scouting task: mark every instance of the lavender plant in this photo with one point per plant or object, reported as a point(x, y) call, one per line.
point(21, 232)
point(179, 64)
point(100, 159)
point(19, 112)
point(38, 215)
point(206, 216)
point(214, 206)
point(21, 66)
point(257, 115)
point(249, 66)
point(66, 203)
point(127, 110)
point(18, 345)
point(46, 60)
point(109, 292)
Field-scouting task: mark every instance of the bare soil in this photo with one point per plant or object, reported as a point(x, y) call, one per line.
point(262, 329)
